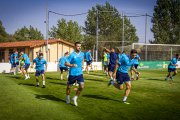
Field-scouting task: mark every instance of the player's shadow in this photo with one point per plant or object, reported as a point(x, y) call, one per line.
point(96, 80)
point(52, 78)
point(98, 74)
point(155, 79)
point(99, 97)
point(26, 84)
point(58, 83)
point(15, 77)
point(48, 97)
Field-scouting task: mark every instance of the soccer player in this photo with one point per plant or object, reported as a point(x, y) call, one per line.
point(40, 62)
point(121, 73)
point(172, 67)
point(26, 60)
point(76, 63)
point(15, 61)
point(136, 63)
point(62, 66)
point(105, 63)
point(112, 62)
point(89, 60)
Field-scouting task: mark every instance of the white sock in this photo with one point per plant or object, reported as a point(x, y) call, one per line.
point(68, 97)
point(124, 99)
point(61, 76)
point(137, 75)
point(26, 76)
point(37, 83)
point(67, 75)
point(75, 97)
point(43, 82)
point(132, 76)
point(112, 82)
point(111, 78)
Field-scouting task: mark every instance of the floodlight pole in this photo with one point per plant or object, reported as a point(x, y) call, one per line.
point(47, 32)
point(97, 34)
point(146, 37)
point(122, 31)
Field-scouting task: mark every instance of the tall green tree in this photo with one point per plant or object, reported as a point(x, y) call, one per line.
point(30, 33)
point(166, 22)
point(69, 31)
point(110, 25)
point(4, 36)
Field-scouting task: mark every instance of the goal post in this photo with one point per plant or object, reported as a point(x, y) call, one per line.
point(156, 52)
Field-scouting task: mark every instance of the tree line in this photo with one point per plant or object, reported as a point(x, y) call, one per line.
point(166, 27)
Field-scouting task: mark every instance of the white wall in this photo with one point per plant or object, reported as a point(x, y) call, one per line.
point(52, 67)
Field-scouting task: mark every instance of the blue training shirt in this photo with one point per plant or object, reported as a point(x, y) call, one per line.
point(173, 61)
point(113, 57)
point(39, 63)
point(17, 59)
point(11, 58)
point(119, 56)
point(88, 56)
point(125, 63)
point(136, 59)
point(62, 61)
point(26, 59)
point(76, 58)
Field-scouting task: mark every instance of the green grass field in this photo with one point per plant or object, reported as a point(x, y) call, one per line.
point(151, 98)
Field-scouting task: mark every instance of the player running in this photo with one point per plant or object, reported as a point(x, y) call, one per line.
point(136, 63)
point(112, 62)
point(105, 63)
point(40, 62)
point(62, 65)
point(25, 68)
point(76, 63)
point(89, 60)
point(121, 73)
point(172, 67)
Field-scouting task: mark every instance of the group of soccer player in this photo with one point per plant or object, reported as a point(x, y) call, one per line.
point(116, 65)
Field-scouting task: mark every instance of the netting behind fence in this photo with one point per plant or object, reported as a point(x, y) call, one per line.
point(151, 52)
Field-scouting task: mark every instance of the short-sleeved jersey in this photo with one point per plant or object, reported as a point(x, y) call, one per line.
point(26, 59)
point(39, 63)
point(113, 57)
point(76, 58)
point(62, 61)
point(119, 56)
point(125, 63)
point(173, 61)
point(136, 59)
point(11, 59)
point(88, 56)
point(15, 55)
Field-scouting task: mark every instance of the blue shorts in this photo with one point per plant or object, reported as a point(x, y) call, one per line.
point(39, 72)
point(73, 79)
point(15, 64)
point(26, 66)
point(122, 77)
point(89, 62)
point(171, 69)
point(135, 66)
point(111, 67)
point(63, 68)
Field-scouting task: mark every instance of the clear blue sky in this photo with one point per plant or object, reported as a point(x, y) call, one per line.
point(18, 13)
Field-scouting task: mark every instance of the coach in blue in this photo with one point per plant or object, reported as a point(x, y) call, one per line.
point(76, 62)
